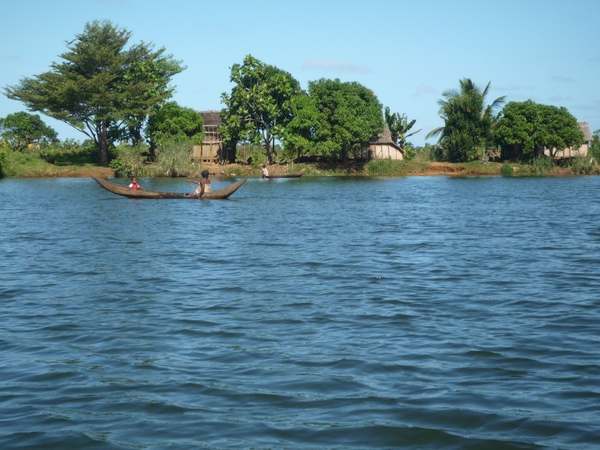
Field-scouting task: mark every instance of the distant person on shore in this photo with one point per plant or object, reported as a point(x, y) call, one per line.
point(203, 185)
point(265, 171)
point(134, 186)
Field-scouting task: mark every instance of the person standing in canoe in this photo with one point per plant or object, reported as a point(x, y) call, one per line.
point(265, 171)
point(203, 186)
point(134, 186)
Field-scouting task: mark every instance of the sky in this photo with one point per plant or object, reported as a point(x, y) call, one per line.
point(407, 52)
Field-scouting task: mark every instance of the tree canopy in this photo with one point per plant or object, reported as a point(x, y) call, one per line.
point(174, 121)
point(468, 121)
point(533, 126)
point(101, 86)
point(20, 130)
point(259, 104)
point(351, 117)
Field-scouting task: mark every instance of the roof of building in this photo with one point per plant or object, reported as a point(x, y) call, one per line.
point(211, 117)
point(385, 138)
point(587, 135)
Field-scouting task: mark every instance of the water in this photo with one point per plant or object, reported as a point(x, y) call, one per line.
point(328, 313)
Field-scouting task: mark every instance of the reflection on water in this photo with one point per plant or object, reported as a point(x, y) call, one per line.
point(303, 313)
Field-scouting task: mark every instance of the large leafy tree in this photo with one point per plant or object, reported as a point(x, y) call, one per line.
point(172, 121)
point(101, 86)
point(531, 127)
point(399, 126)
point(259, 104)
point(469, 121)
point(20, 130)
point(351, 117)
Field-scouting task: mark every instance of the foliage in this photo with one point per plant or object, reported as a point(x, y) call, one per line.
point(3, 163)
point(130, 160)
point(542, 165)
point(173, 159)
point(100, 87)
point(595, 146)
point(70, 152)
point(351, 118)
point(507, 170)
point(305, 129)
point(582, 165)
point(259, 105)
point(532, 127)
point(172, 121)
point(22, 130)
point(399, 126)
point(469, 123)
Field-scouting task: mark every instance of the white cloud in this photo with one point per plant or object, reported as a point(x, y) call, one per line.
point(334, 65)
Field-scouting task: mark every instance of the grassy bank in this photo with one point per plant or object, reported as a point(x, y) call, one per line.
point(34, 164)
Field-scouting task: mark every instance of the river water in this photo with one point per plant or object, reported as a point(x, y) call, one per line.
point(317, 313)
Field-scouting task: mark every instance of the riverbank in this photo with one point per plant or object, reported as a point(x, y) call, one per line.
point(381, 168)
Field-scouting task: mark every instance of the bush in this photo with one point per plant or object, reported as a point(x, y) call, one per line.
point(507, 170)
point(583, 165)
point(3, 163)
point(70, 152)
point(174, 158)
point(129, 161)
point(542, 165)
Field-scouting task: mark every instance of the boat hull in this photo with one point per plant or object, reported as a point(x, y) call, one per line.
point(124, 191)
point(287, 175)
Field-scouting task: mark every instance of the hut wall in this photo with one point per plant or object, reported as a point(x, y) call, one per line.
point(384, 151)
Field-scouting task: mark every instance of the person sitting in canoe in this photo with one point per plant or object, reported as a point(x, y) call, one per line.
point(203, 185)
point(265, 171)
point(134, 186)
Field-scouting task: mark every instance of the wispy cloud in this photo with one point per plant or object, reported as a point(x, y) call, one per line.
point(334, 65)
point(424, 89)
point(560, 79)
point(594, 60)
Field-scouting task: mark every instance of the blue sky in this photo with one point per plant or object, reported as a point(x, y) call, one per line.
point(406, 52)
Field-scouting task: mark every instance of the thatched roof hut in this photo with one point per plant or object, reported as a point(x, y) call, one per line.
point(384, 146)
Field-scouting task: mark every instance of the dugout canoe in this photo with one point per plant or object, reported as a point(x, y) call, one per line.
point(287, 175)
point(120, 189)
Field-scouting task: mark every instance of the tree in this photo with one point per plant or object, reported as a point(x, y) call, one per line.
point(399, 126)
point(468, 121)
point(533, 127)
point(595, 146)
point(20, 130)
point(258, 107)
point(101, 86)
point(305, 129)
point(351, 117)
point(172, 121)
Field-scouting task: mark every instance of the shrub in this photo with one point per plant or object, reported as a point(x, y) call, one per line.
point(174, 158)
point(129, 161)
point(507, 170)
point(3, 163)
point(542, 165)
point(583, 165)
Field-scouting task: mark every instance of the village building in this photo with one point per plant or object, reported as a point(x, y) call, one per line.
point(212, 149)
point(384, 146)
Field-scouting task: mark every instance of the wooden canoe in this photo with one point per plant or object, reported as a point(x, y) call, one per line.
point(120, 189)
point(287, 175)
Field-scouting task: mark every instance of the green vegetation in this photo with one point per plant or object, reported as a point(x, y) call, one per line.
point(532, 127)
point(399, 126)
point(102, 89)
point(259, 105)
point(21, 130)
point(117, 95)
point(469, 122)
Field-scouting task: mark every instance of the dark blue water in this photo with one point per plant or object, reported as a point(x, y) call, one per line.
point(328, 313)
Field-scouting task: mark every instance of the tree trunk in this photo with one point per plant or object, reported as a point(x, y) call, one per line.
point(103, 142)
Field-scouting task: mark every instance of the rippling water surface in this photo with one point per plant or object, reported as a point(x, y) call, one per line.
point(328, 313)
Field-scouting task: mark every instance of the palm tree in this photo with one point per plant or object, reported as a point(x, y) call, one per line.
point(468, 121)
